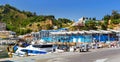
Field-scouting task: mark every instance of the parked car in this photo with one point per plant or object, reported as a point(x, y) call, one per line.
point(84, 48)
point(61, 47)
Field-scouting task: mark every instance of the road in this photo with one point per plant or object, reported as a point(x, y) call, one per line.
point(105, 55)
point(97, 55)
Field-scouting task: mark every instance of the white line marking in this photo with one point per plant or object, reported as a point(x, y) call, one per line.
point(101, 60)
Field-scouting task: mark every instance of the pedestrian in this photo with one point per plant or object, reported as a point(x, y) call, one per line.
point(118, 44)
point(10, 50)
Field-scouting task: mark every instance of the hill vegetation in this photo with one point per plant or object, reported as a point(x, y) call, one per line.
point(112, 21)
point(108, 22)
point(23, 22)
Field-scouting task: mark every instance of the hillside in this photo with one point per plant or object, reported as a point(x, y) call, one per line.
point(23, 22)
point(112, 21)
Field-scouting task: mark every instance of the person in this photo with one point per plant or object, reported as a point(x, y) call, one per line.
point(10, 50)
point(74, 49)
point(118, 44)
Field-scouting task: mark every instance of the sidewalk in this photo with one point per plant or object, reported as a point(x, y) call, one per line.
point(39, 57)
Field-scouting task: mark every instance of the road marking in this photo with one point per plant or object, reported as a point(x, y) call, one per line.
point(101, 60)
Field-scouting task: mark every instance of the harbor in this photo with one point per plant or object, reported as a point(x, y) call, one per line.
point(61, 40)
point(59, 31)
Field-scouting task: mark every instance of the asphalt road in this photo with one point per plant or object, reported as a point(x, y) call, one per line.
point(98, 56)
point(95, 56)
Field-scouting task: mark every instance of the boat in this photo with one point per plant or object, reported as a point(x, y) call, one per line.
point(33, 49)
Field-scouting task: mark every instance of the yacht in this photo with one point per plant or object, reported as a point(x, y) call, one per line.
point(33, 49)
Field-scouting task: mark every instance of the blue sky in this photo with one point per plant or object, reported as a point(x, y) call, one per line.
point(71, 9)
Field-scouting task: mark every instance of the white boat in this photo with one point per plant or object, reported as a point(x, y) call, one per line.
point(33, 49)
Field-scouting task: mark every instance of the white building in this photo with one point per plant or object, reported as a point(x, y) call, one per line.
point(80, 22)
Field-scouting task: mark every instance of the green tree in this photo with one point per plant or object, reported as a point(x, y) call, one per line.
point(115, 15)
point(90, 25)
point(94, 18)
point(28, 30)
point(64, 20)
point(48, 26)
point(106, 17)
point(17, 20)
point(115, 21)
point(104, 26)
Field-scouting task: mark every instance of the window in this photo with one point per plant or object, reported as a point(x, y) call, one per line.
point(42, 46)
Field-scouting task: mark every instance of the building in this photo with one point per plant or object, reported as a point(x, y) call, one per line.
point(2, 26)
point(45, 34)
point(80, 22)
point(28, 37)
point(64, 35)
point(85, 36)
point(7, 34)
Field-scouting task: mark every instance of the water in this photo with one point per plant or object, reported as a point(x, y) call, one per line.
point(4, 53)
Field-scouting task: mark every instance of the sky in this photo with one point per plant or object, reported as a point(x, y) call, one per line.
point(71, 9)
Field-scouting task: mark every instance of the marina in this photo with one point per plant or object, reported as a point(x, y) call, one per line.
point(59, 31)
point(63, 41)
